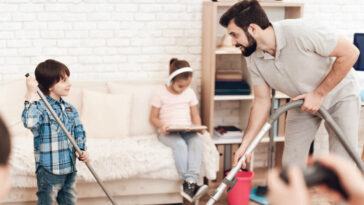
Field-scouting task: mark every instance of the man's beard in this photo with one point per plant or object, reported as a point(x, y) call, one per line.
point(252, 46)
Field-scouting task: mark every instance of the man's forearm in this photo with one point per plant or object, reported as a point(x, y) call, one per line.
point(258, 116)
point(339, 70)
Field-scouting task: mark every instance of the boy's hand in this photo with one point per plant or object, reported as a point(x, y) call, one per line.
point(32, 86)
point(163, 130)
point(85, 157)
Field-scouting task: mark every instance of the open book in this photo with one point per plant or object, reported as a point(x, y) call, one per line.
point(190, 128)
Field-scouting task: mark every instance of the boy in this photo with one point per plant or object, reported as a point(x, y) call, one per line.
point(55, 157)
point(4, 157)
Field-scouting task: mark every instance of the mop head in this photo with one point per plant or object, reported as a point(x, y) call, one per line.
point(258, 194)
point(261, 190)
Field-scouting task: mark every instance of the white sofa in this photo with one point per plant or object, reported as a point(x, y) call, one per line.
point(135, 167)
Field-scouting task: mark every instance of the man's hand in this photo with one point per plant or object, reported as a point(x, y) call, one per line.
point(312, 101)
point(280, 193)
point(85, 157)
point(238, 154)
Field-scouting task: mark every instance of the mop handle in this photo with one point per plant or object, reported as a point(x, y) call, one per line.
point(324, 114)
point(73, 142)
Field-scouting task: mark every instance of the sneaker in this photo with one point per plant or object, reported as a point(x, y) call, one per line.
point(188, 190)
point(192, 192)
point(199, 191)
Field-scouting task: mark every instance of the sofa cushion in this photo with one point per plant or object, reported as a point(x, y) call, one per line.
point(106, 115)
point(142, 93)
point(76, 94)
point(75, 98)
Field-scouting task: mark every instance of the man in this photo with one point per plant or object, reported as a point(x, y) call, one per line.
point(4, 157)
point(303, 61)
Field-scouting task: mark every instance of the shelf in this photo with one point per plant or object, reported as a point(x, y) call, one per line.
point(238, 140)
point(276, 139)
point(279, 95)
point(233, 97)
point(213, 56)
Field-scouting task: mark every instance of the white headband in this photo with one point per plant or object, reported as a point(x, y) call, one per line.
point(177, 72)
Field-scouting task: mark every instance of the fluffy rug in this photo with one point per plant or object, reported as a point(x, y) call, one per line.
point(130, 157)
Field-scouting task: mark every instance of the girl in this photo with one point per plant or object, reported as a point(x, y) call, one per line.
point(176, 104)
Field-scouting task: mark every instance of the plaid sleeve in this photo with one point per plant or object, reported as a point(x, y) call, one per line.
point(32, 116)
point(80, 134)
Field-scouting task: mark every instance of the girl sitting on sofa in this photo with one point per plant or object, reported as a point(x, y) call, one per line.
point(176, 104)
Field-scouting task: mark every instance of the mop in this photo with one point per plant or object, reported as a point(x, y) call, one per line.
point(230, 179)
point(70, 138)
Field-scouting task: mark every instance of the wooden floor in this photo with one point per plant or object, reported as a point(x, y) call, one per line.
point(259, 179)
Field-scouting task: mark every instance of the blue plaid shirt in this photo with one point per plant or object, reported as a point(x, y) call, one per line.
point(52, 150)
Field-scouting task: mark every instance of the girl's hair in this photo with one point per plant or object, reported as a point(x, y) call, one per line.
point(50, 72)
point(175, 64)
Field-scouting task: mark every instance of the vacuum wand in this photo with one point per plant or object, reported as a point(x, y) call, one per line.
point(73, 142)
point(230, 179)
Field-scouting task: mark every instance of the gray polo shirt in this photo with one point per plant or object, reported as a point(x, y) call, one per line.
point(301, 62)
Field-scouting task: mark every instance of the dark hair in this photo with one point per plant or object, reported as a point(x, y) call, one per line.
point(175, 64)
point(245, 13)
point(49, 73)
point(5, 145)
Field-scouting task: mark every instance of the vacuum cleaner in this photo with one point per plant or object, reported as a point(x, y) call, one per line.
point(230, 179)
point(70, 138)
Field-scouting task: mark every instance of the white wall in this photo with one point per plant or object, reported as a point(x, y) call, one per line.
point(99, 38)
point(126, 38)
point(122, 38)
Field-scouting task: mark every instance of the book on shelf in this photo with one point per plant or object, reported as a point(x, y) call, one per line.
point(228, 131)
point(229, 75)
point(232, 88)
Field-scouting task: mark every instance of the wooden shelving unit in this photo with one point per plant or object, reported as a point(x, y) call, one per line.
point(212, 56)
point(212, 33)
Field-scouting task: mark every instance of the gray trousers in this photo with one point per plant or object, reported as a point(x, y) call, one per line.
point(301, 129)
point(187, 152)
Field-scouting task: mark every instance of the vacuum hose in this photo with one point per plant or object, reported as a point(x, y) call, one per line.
point(230, 179)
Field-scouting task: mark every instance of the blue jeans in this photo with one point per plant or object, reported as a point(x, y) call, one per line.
point(187, 151)
point(52, 188)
